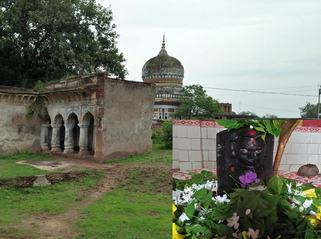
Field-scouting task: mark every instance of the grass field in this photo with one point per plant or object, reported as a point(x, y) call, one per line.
point(137, 207)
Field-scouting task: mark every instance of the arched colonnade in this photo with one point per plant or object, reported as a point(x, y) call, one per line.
point(69, 135)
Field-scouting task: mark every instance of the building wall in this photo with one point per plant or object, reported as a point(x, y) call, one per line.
point(127, 118)
point(18, 132)
point(194, 145)
point(114, 116)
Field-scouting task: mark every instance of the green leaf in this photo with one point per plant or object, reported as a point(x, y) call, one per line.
point(206, 173)
point(206, 236)
point(223, 229)
point(194, 229)
point(251, 201)
point(190, 209)
point(219, 214)
point(284, 205)
point(229, 124)
point(200, 194)
point(301, 224)
point(293, 215)
point(271, 198)
point(259, 129)
point(206, 201)
point(275, 184)
point(238, 206)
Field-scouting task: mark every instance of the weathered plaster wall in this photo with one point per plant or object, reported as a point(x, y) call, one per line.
point(17, 132)
point(127, 119)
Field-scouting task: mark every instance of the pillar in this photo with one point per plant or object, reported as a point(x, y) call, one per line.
point(55, 139)
point(69, 139)
point(83, 139)
point(44, 140)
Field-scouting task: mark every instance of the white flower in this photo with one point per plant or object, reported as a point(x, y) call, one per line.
point(176, 195)
point(251, 126)
point(188, 190)
point(298, 184)
point(313, 213)
point(183, 218)
point(294, 200)
point(289, 185)
point(299, 193)
point(221, 199)
point(307, 203)
point(203, 211)
point(233, 221)
point(187, 198)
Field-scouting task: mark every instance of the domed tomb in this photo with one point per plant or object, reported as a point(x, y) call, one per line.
point(167, 74)
point(163, 68)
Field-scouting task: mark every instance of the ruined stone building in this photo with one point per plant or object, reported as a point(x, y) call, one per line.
point(167, 73)
point(94, 115)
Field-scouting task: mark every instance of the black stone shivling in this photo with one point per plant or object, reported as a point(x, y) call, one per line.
point(240, 151)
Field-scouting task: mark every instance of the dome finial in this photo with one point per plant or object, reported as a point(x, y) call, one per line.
point(163, 50)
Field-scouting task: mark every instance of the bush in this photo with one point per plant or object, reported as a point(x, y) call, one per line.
point(167, 134)
point(157, 138)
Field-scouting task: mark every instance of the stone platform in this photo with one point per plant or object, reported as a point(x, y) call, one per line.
point(316, 180)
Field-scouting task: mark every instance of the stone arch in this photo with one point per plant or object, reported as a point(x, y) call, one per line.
point(87, 134)
point(58, 119)
point(58, 133)
point(72, 133)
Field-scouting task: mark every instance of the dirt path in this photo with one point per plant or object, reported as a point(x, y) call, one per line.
point(54, 226)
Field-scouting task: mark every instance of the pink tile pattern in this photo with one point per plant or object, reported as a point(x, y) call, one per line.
point(307, 129)
point(186, 122)
point(316, 180)
point(210, 123)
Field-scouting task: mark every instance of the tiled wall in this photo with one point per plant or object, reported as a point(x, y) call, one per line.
point(194, 145)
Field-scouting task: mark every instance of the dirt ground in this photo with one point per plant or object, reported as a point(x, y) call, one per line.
point(53, 226)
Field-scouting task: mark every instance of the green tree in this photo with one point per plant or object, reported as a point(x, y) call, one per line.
point(268, 116)
point(197, 104)
point(50, 39)
point(248, 113)
point(309, 111)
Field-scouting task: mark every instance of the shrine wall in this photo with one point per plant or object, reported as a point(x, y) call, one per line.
point(194, 145)
point(17, 131)
point(127, 118)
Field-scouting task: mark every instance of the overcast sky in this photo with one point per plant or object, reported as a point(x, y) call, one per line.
point(270, 46)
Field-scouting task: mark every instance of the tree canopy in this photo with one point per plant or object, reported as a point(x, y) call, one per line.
point(269, 116)
point(248, 113)
point(50, 39)
point(309, 111)
point(197, 104)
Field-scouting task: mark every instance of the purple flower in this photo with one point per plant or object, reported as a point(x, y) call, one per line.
point(248, 179)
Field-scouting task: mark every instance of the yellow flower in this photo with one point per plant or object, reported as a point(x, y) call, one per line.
point(310, 193)
point(175, 234)
point(174, 209)
point(313, 220)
